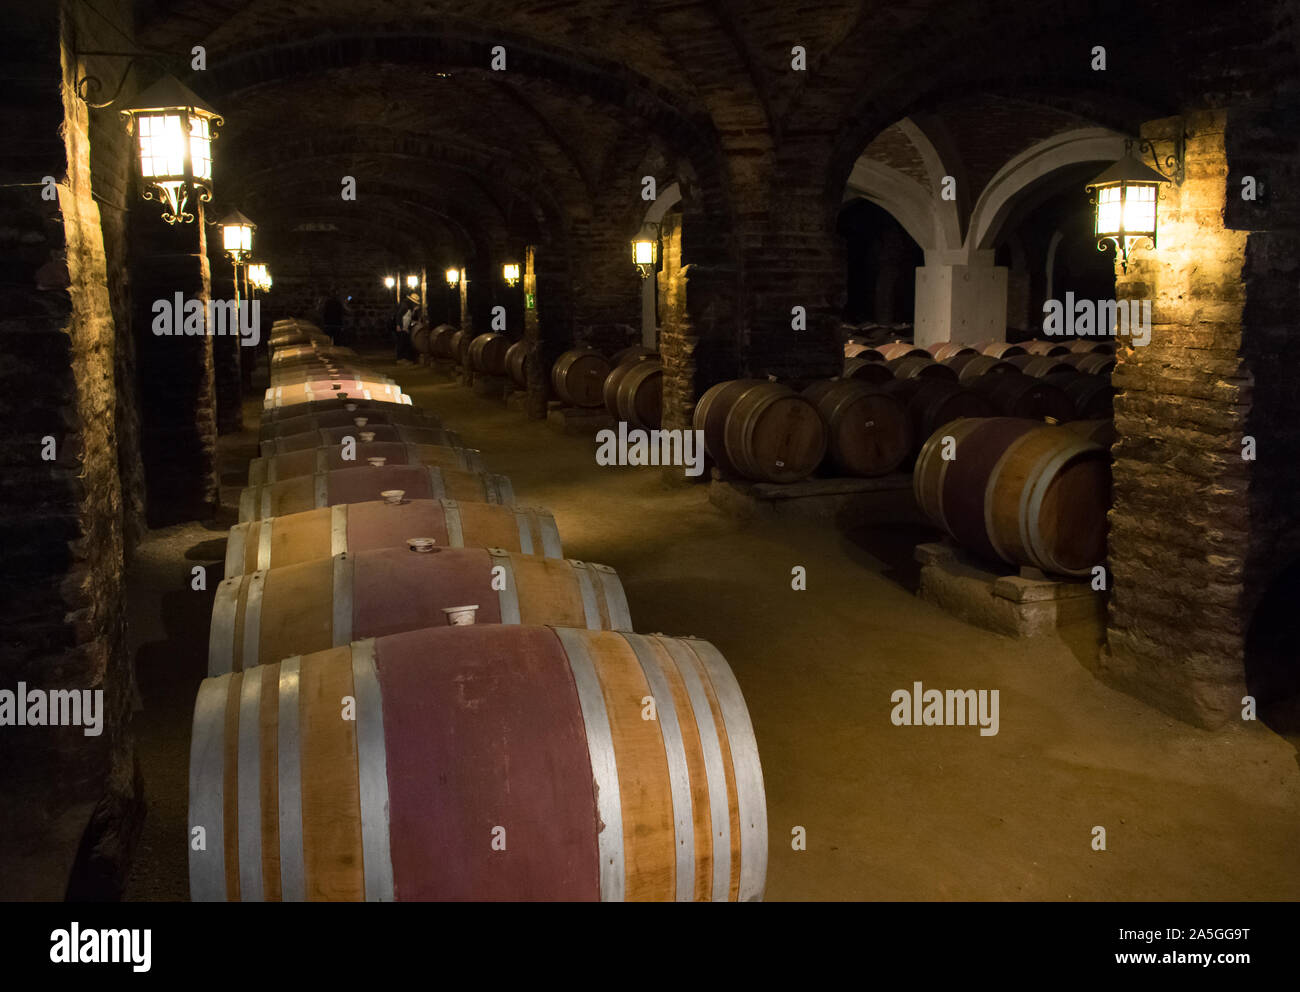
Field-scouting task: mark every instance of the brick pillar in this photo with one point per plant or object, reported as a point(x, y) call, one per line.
point(466, 319)
point(1181, 516)
point(226, 361)
point(178, 401)
point(72, 806)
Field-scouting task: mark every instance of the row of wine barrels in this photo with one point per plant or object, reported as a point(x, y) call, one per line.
point(578, 377)
point(1014, 394)
point(1045, 348)
point(330, 602)
point(867, 430)
point(324, 389)
point(516, 367)
point(970, 367)
point(858, 349)
point(537, 730)
point(344, 410)
point(761, 430)
point(1001, 349)
point(363, 483)
point(634, 392)
point(931, 403)
point(297, 537)
point(330, 436)
point(395, 413)
point(1019, 491)
point(487, 353)
point(1100, 431)
point(1091, 362)
point(301, 374)
point(310, 461)
point(1040, 366)
point(1085, 346)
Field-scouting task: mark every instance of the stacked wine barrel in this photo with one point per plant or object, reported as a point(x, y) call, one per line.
point(413, 695)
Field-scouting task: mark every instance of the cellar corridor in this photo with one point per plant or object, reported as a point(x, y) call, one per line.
point(891, 813)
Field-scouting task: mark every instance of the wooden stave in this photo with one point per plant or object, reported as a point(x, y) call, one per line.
point(335, 413)
point(578, 377)
point(365, 483)
point(516, 364)
point(971, 367)
point(269, 614)
point(487, 353)
point(1019, 395)
point(710, 416)
point(329, 436)
point(836, 400)
point(912, 366)
point(755, 405)
point(1002, 349)
point(856, 349)
point(393, 414)
point(639, 394)
point(1092, 396)
point(658, 843)
point(322, 389)
point(308, 461)
point(901, 349)
point(321, 533)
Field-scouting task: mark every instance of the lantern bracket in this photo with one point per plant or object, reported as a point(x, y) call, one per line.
point(91, 85)
point(1173, 165)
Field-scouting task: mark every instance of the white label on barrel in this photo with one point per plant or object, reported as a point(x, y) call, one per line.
point(780, 464)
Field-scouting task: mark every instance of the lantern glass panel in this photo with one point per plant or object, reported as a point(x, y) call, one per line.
point(162, 146)
point(1110, 201)
point(238, 237)
point(200, 147)
point(412, 281)
point(1139, 209)
point(453, 276)
point(390, 282)
point(643, 252)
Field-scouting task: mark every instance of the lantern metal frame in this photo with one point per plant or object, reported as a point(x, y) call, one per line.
point(649, 234)
point(237, 219)
point(511, 273)
point(1130, 173)
point(453, 277)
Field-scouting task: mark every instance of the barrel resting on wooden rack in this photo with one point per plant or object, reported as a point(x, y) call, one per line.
point(550, 784)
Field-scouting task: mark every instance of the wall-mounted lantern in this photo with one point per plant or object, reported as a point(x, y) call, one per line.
point(645, 249)
point(1124, 201)
point(390, 281)
point(510, 271)
point(174, 130)
point(412, 282)
point(237, 236)
point(259, 275)
point(453, 278)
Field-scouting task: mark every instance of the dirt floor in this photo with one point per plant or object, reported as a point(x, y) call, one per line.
point(929, 813)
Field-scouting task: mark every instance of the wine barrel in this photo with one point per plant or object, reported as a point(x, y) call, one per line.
point(330, 436)
point(634, 392)
point(365, 482)
point(971, 367)
point(578, 377)
point(1092, 395)
point(901, 349)
point(329, 602)
point(440, 341)
point(335, 412)
point(761, 430)
point(1091, 363)
point(1085, 346)
point(1019, 491)
point(421, 337)
point(1002, 349)
point(867, 431)
point(634, 353)
point(487, 353)
point(864, 369)
point(1046, 348)
point(297, 537)
point(309, 461)
point(392, 414)
point(911, 366)
point(1097, 431)
point(324, 390)
point(1015, 394)
point(301, 375)
point(935, 402)
point(458, 346)
point(856, 349)
point(465, 735)
point(516, 357)
point(1040, 366)
point(942, 350)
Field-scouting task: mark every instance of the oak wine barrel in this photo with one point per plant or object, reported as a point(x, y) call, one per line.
point(1019, 491)
point(1086, 346)
point(1040, 366)
point(465, 736)
point(458, 346)
point(1015, 394)
point(633, 353)
point(325, 389)
point(942, 350)
point(912, 366)
point(394, 413)
point(633, 392)
point(440, 341)
point(864, 369)
point(421, 338)
point(1097, 431)
point(578, 377)
point(1092, 395)
point(1092, 362)
point(329, 436)
point(301, 375)
point(366, 482)
point(855, 349)
point(516, 357)
point(935, 402)
point(867, 430)
point(1046, 348)
point(971, 367)
point(335, 412)
point(330, 602)
point(761, 430)
point(1002, 349)
point(309, 461)
point(487, 353)
point(901, 349)
point(296, 537)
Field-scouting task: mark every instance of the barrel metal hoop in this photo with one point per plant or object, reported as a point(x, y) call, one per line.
point(751, 798)
point(509, 595)
point(1031, 501)
point(322, 460)
point(503, 489)
point(221, 637)
point(587, 589)
point(525, 530)
point(452, 521)
point(338, 528)
point(247, 502)
point(436, 483)
point(343, 575)
point(236, 549)
point(265, 510)
point(550, 534)
point(604, 763)
point(207, 791)
point(264, 529)
point(990, 532)
point(322, 489)
point(711, 744)
point(293, 872)
point(679, 778)
point(249, 784)
point(620, 617)
point(251, 657)
point(372, 772)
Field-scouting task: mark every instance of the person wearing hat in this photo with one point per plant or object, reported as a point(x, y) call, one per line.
point(407, 315)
